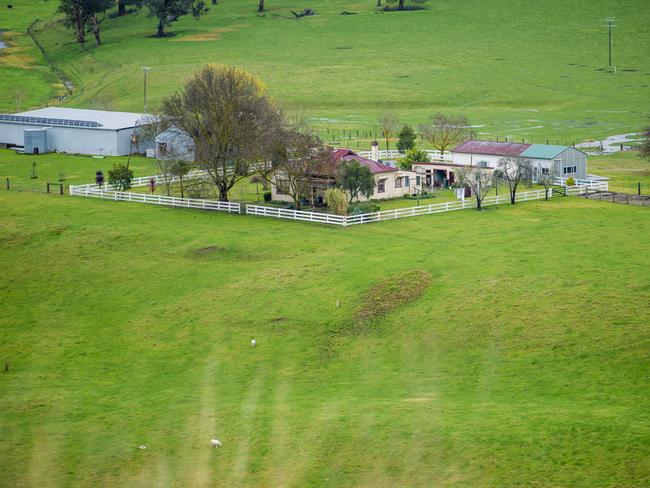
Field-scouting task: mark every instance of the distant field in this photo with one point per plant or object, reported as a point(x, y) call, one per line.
point(533, 69)
point(625, 170)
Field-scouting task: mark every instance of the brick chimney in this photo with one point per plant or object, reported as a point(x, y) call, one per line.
point(374, 151)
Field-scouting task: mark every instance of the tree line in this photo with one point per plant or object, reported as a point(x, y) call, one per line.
point(84, 15)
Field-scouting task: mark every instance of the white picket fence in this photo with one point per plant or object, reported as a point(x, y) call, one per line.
point(400, 213)
point(283, 213)
point(92, 191)
point(109, 193)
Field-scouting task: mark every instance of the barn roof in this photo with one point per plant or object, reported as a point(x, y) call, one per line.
point(96, 119)
point(543, 151)
point(491, 147)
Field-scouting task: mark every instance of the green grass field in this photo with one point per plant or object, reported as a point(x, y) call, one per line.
point(502, 348)
point(521, 359)
point(536, 70)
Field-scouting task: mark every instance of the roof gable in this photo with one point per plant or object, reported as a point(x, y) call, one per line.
point(543, 151)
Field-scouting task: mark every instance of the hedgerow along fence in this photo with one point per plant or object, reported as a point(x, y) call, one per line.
point(109, 193)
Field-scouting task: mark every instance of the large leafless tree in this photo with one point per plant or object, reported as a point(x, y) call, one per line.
point(231, 120)
point(513, 171)
point(479, 179)
point(444, 131)
point(389, 125)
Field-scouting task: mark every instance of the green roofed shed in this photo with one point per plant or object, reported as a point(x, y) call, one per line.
point(543, 151)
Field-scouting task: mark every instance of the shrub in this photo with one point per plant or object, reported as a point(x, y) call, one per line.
point(413, 155)
point(570, 181)
point(120, 177)
point(407, 138)
point(267, 196)
point(363, 208)
point(337, 201)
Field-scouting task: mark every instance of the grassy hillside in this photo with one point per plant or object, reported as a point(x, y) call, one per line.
point(517, 356)
point(25, 79)
point(534, 70)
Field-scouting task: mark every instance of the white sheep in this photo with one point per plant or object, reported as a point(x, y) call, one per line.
point(215, 443)
point(142, 447)
point(253, 343)
point(338, 304)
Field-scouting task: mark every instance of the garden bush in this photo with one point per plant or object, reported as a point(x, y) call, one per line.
point(267, 196)
point(362, 208)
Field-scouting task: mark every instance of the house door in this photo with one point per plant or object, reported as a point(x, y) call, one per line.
point(468, 192)
point(36, 151)
point(451, 177)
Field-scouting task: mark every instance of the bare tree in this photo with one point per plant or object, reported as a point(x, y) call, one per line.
point(299, 159)
point(547, 179)
point(513, 171)
point(180, 169)
point(231, 120)
point(478, 179)
point(445, 130)
point(260, 6)
point(389, 125)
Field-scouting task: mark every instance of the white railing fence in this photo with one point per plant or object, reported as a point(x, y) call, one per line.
point(400, 213)
point(592, 184)
point(395, 154)
point(92, 191)
point(107, 192)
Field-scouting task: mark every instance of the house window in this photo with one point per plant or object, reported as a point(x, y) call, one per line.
point(417, 181)
point(483, 164)
point(546, 171)
point(407, 182)
point(162, 149)
point(381, 186)
point(398, 182)
point(569, 170)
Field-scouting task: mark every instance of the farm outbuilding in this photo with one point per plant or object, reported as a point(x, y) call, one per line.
point(174, 143)
point(76, 131)
point(565, 160)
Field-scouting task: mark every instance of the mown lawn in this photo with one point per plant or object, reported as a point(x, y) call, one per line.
point(524, 70)
point(520, 358)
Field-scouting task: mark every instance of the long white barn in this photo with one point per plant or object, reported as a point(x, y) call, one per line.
point(564, 160)
point(75, 131)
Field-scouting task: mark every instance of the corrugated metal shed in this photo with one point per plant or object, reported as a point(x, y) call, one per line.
point(491, 147)
point(543, 151)
point(104, 119)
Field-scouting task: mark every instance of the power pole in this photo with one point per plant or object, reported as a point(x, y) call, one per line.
point(146, 70)
point(610, 25)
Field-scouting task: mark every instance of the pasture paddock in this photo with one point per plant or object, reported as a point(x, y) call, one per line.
point(510, 366)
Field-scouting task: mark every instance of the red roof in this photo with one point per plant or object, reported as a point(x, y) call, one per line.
point(373, 166)
point(491, 147)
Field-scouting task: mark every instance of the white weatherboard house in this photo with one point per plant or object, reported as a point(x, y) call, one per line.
point(567, 161)
point(75, 131)
point(390, 182)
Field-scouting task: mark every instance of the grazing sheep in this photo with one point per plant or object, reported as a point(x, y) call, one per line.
point(142, 447)
point(253, 343)
point(215, 443)
point(338, 304)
